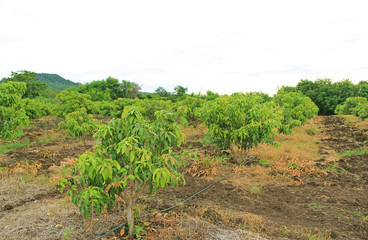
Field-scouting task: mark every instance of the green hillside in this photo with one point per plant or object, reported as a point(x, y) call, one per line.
point(55, 82)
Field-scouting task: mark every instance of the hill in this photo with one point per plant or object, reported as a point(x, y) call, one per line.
point(55, 82)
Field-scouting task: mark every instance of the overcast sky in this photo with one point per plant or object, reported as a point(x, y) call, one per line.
point(223, 46)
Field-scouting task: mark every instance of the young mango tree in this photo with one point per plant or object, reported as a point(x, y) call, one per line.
point(189, 108)
point(12, 116)
point(35, 109)
point(242, 121)
point(297, 109)
point(134, 154)
point(354, 105)
point(71, 101)
point(79, 124)
point(350, 106)
point(362, 111)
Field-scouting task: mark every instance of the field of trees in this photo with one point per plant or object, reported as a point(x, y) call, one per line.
point(103, 160)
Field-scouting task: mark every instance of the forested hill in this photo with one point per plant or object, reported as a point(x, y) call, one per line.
point(55, 82)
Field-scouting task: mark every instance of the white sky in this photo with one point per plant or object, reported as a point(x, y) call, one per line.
point(222, 46)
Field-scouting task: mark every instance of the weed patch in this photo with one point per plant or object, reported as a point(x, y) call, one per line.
point(300, 145)
point(256, 189)
point(356, 121)
point(315, 206)
point(305, 233)
point(264, 162)
point(354, 152)
point(312, 131)
point(43, 140)
point(334, 168)
point(7, 147)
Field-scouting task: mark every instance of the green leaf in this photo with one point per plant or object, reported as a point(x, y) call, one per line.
point(109, 168)
point(105, 174)
point(132, 156)
point(90, 172)
point(163, 182)
point(132, 177)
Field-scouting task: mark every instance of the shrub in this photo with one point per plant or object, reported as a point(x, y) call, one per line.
point(12, 116)
point(189, 108)
point(35, 109)
point(79, 124)
point(362, 111)
point(71, 101)
point(242, 120)
point(355, 105)
point(297, 109)
point(349, 106)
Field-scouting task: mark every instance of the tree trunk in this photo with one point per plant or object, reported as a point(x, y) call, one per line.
point(130, 211)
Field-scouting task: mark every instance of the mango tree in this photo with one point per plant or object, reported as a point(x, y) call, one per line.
point(36, 109)
point(297, 109)
point(354, 105)
point(149, 107)
point(350, 105)
point(134, 154)
point(12, 116)
point(189, 108)
point(242, 121)
point(79, 124)
point(362, 111)
point(71, 101)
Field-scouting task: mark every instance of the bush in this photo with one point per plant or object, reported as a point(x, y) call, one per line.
point(350, 106)
point(12, 116)
point(79, 124)
point(71, 101)
point(121, 103)
point(242, 120)
point(297, 109)
point(362, 111)
point(189, 108)
point(355, 105)
point(35, 109)
point(148, 108)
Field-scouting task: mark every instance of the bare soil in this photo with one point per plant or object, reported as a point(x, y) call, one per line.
point(241, 206)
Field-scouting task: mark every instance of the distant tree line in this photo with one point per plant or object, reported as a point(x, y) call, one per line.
point(110, 89)
point(44, 87)
point(328, 95)
point(34, 88)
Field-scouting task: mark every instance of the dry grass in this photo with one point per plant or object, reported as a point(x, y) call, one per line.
point(299, 144)
point(252, 179)
point(243, 220)
point(300, 232)
point(294, 156)
point(194, 132)
point(180, 228)
point(195, 228)
point(234, 219)
point(52, 134)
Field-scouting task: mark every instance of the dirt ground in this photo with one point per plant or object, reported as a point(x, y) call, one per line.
point(330, 204)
